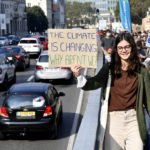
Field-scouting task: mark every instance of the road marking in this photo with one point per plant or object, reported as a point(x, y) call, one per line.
point(30, 78)
point(76, 119)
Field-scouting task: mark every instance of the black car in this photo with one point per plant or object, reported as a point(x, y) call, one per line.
point(31, 107)
point(22, 57)
point(13, 39)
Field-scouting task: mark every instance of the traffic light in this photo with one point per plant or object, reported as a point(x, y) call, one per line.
point(97, 11)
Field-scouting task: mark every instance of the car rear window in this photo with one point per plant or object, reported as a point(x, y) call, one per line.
point(16, 101)
point(28, 41)
point(41, 39)
point(2, 38)
point(10, 50)
point(43, 58)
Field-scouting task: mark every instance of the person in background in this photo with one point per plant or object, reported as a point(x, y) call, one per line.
point(107, 42)
point(141, 52)
point(128, 97)
point(135, 36)
point(139, 34)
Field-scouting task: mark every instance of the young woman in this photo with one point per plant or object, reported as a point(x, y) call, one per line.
point(129, 95)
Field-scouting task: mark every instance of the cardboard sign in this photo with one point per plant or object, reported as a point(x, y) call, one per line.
point(102, 24)
point(148, 41)
point(72, 46)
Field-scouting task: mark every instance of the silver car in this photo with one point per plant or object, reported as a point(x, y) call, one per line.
point(7, 71)
point(43, 71)
point(3, 41)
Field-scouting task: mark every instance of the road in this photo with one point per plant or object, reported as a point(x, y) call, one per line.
point(38, 142)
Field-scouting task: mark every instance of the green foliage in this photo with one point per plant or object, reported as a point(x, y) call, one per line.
point(76, 11)
point(37, 21)
point(138, 10)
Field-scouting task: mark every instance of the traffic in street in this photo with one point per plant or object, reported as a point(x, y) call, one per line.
point(39, 141)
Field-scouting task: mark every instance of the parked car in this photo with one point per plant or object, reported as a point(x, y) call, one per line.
point(22, 57)
point(31, 45)
point(7, 72)
point(31, 107)
point(13, 39)
point(3, 41)
point(43, 41)
point(43, 71)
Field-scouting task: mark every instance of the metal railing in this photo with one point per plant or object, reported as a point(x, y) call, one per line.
point(87, 135)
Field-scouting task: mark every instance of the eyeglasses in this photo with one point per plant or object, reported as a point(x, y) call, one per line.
point(127, 47)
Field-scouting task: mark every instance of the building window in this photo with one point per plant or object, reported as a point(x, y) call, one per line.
point(29, 4)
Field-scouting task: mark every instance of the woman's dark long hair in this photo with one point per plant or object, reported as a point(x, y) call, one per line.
point(134, 61)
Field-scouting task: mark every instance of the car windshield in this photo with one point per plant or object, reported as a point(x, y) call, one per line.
point(10, 38)
point(43, 58)
point(28, 41)
point(10, 50)
point(17, 101)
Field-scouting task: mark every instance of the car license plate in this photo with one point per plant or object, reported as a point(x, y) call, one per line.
point(27, 46)
point(25, 113)
point(51, 69)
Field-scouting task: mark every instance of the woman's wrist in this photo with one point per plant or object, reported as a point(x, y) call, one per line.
point(77, 74)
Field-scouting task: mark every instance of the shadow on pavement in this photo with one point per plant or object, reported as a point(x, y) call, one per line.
point(64, 130)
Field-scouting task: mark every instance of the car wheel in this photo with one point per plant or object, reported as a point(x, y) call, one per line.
point(39, 53)
point(61, 115)
point(28, 65)
point(23, 67)
point(2, 136)
point(5, 83)
point(52, 134)
point(36, 80)
point(14, 79)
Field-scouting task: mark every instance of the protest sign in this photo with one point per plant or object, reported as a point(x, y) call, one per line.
point(72, 46)
point(148, 41)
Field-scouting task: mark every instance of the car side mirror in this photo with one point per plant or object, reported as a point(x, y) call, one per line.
point(61, 94)
point(11, 62)
point(4, 94)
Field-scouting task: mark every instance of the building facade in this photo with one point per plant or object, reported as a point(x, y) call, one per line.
point(59, 14)
point(46, 6)
point(104, 6)
point(13, 18)
point(53, 9)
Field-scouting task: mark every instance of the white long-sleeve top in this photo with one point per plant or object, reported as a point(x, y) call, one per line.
point(81, 81)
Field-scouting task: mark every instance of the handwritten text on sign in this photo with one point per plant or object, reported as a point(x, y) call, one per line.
point(72, 46)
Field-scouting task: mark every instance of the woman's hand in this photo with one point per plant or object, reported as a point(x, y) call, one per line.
point(76, 69)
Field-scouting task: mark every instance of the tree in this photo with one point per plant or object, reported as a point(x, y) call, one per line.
point(138, 10)
point(75, 12)
point(36, 19)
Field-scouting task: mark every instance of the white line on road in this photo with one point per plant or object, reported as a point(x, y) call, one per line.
point(76, 119)
point(30, 78)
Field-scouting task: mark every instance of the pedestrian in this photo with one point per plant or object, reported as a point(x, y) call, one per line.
point(141, 52)
point(128, 97)
point(107, 41)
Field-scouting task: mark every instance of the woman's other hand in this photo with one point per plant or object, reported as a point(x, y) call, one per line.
point(76, 69)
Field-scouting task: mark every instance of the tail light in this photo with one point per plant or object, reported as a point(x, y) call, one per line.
point(36, 46)
point(18, 57)
point(64, 67)
point(48, 111)
point(3, 112)
point(38, 67)
point(1, 71)
point(20, 45)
